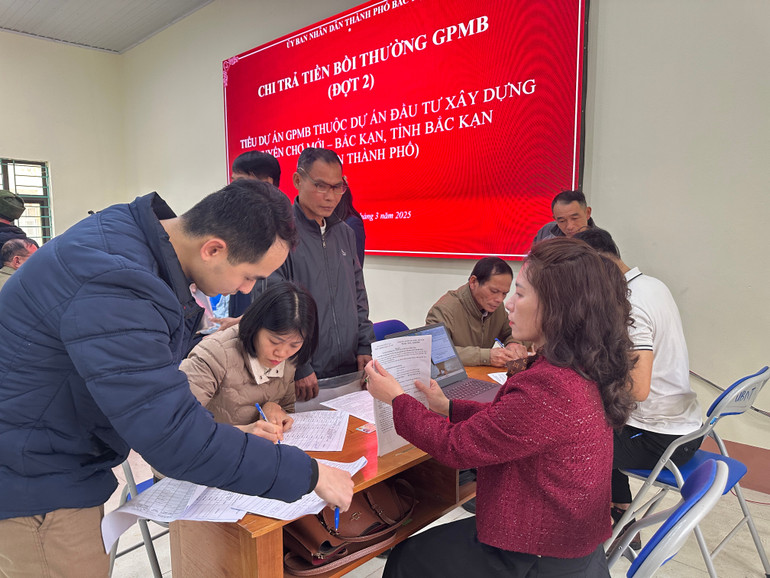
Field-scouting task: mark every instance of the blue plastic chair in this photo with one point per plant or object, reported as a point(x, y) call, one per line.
point(666, 476)
point(133, 489)
point(700, 493)
point(385, 328)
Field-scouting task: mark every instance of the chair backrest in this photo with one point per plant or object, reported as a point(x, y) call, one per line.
point(739, 397)
point(383, 328)
point(700, 493)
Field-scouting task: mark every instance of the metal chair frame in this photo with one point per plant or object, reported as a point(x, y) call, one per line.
point(131, 489)
point(700, 494)
point(666, 476)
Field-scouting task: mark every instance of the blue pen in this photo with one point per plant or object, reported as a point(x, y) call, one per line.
point(635, 435)
point(262, 414)
point(336, 518)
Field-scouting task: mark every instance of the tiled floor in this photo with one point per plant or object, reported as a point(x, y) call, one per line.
point(738, 560)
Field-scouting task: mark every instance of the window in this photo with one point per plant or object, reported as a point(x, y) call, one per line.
point(30, 180)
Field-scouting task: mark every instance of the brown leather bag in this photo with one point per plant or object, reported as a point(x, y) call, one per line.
point(313, 547)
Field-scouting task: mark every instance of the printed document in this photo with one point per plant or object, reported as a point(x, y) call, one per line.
point(407, 359)
point(358, 403)
point(318, 431)
point(170, 500)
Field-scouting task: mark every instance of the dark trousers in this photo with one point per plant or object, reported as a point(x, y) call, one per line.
point(454, 550)
point(641, 449)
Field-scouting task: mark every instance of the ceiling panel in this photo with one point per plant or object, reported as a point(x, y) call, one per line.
point(110, 25)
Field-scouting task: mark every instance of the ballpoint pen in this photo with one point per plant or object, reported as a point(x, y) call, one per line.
point(336, 518)
point(262, 414)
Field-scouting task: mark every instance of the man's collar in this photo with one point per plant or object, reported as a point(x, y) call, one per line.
point(632, 274)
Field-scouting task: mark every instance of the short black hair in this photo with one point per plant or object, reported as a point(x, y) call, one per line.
point(283, 308)
point(600, 240)
point(16, 248)
point(248, 215)
point(259, 165)
point(488, 266)
point(310, 155)
point(568, 197)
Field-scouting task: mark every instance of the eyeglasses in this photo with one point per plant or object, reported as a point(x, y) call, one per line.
point(322, 187)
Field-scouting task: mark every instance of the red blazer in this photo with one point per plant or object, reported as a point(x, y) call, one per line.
point(543, 450)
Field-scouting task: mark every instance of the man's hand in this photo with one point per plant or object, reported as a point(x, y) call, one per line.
point(306, 388)
point(499, 356)
point(517, 349)
point(225, 322)
point(437, 401)
point(275, 415)
point(362, 361)
point(334, 486)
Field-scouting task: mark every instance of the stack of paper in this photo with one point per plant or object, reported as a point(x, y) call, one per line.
point(171, 500)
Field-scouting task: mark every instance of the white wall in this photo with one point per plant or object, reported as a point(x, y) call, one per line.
point(678, 142)
point(678, 164)
point(64, 105)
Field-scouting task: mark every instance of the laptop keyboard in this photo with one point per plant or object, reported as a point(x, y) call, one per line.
point(468, 388)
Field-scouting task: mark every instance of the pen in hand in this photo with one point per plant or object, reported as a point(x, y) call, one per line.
point(262, 415)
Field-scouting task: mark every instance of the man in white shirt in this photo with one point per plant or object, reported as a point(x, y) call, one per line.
point(667, 407)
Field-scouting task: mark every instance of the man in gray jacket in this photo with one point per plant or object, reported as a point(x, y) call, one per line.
point(325, 263)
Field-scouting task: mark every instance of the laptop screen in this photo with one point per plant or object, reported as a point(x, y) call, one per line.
point(446, 367)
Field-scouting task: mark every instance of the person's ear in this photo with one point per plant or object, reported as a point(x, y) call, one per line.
point(213, 248)
point(296, 179)
point(473, 282)
point(16, 262)
point(588, 213)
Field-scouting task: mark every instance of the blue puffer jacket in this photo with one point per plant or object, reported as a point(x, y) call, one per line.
point(92, 331)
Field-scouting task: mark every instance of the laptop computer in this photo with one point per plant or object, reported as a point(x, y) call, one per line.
point(447, 369)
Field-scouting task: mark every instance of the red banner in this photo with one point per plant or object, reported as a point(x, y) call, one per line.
point(457, 121)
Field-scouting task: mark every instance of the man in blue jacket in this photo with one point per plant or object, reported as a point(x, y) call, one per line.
point(92, 332)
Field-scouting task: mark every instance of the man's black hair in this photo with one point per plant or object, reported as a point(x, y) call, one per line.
point(248, 215)
point(567, 197)
point(488, 266)
point(16, 248)
point(310, 155)
point(258, 165)
point(600, 240)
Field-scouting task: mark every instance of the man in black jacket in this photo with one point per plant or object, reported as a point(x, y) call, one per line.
point(325, 263)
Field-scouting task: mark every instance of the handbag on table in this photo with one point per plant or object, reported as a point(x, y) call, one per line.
point(312, 546)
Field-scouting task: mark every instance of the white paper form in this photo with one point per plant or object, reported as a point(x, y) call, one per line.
point(309, 503)
point(165, 501)
point(499, 376)
point(318, 431)
point(358, 403)
point(170, 500)
point(407, 359)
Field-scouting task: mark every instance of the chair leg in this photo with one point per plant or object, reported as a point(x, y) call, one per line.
point(147, 538)
point(704, 549)
point(113, 555)
point(753, 529)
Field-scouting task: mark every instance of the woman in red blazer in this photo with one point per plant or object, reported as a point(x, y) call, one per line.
point(543, 447)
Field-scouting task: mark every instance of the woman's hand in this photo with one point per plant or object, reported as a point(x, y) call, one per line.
point(275, 415)
point(437, 401)
point(381, 384)
point(264, 429)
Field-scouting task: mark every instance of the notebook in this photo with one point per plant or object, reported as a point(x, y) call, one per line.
point(447, 369)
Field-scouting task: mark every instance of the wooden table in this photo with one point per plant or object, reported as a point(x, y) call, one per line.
point(254, 546)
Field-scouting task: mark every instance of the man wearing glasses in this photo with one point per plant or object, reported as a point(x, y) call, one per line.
point(325, 263)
